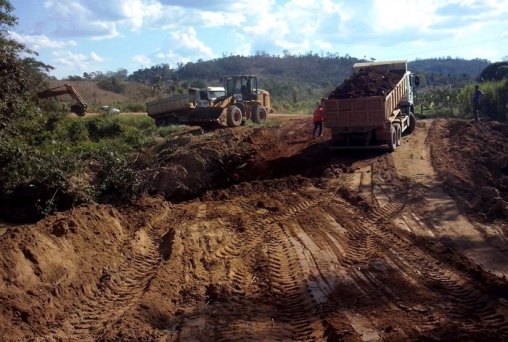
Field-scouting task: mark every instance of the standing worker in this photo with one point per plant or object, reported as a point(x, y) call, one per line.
point(318, 120)
point(477, 93)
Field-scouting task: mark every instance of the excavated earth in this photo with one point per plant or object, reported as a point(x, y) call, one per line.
point(275, 237)
point(366, 82)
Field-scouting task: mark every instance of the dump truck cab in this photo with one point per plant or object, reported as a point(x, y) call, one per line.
point(215, 92)
point(204, 97)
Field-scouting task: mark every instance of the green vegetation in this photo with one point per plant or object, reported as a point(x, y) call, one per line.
point(494, 72)
point(457, 102)
point(50, 161)
point(76, 160)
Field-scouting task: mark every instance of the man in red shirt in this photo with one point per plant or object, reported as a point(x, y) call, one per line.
point(318, 121)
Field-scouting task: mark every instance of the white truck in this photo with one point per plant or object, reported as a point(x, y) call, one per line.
point(373, 121)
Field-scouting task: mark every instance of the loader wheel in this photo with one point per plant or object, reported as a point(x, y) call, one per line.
point(234, 116)
point(412, 123)
point(392, 142)
point(258, 115)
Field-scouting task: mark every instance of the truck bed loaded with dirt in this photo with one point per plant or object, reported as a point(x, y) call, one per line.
point(373, 108)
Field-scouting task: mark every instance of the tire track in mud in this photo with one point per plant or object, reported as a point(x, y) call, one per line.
point(358, 243)
point(308, 266)
point(229, 316)
point(238, 311)
point(292, 316)
point(120, 290)
point(467, 303)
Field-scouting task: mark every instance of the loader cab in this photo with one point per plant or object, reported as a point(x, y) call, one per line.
point(241, 87)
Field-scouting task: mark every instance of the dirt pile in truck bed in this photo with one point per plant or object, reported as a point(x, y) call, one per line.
point(366, 83)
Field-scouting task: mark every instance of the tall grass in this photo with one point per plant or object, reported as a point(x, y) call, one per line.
point(452, 102)
point(493, 104)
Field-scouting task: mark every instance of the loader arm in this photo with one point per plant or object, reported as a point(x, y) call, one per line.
point(79, 108)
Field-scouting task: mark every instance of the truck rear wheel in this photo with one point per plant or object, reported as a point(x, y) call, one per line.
point(258, 114)
point(398, 130)
point(159, 122)
point(234, 116)
point(392, 141)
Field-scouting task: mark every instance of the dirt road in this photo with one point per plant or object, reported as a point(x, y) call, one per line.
point(305, 244)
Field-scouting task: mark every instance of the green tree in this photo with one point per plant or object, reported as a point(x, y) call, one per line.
point(494, 72)
point(19, 76)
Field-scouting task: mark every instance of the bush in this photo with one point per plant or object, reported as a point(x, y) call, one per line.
point(103, 127)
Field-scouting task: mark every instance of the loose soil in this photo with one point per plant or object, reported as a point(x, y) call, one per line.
point(267, 234)
point(366, 82)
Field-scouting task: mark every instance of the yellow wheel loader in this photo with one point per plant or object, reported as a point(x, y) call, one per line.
point(242, 101)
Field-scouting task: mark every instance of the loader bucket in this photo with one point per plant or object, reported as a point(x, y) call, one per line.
point(204, 117)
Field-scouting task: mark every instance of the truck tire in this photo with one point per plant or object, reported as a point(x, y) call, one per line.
point(398, 130)
point(258, 114)
point(412, 123)
point(392, 140)
point(234, 116)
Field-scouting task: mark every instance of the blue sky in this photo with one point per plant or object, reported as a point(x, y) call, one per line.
point(77, 36)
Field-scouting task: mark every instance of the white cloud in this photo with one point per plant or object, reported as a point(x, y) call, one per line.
point(398, 15)
point(93, 19)
point(95, 57)
point(142, 61)
point(76, 62)
point(38, 42)
point(298, 26)
point(186, 41)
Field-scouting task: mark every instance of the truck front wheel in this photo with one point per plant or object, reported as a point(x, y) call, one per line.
point(412, 123)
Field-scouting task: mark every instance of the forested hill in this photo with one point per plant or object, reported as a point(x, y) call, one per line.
point(311, 70)
point(448, 71)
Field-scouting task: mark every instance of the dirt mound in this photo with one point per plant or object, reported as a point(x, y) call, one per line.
point(57, 263)
point(366, 82)
point(473, 160)
point(192, 165)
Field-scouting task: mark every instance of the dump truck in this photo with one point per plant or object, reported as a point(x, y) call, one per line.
point(238, 101)
point(359, 117)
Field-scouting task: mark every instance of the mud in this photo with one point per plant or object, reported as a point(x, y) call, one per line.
point(276, 237)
